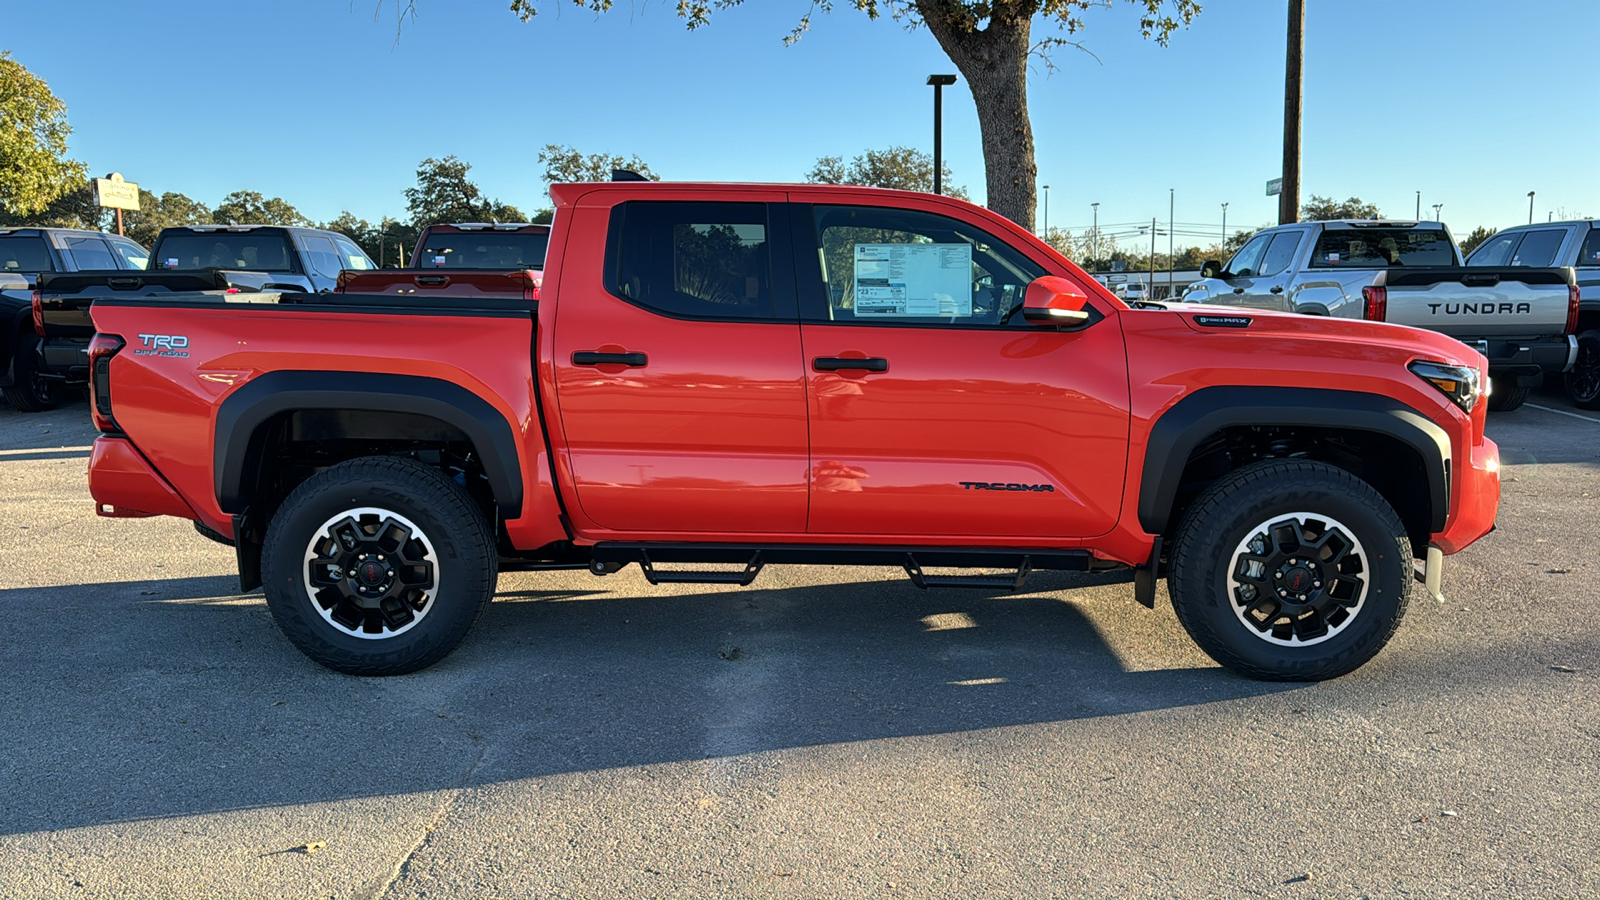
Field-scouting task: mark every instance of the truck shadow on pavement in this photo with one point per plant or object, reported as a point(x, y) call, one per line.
point(136, 700)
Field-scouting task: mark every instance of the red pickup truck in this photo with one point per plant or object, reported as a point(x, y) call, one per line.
point(479, 259)
point(727, 376)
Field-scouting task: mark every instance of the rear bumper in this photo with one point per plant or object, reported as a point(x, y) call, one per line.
point(124, 484)
point(1476, 499)
point(64, 358)
point(1525, 363)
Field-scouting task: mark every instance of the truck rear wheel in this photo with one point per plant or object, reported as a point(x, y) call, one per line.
point(378, 566)
point(31, 392)
point(1290, 570)
point(1583, 381)
point(1505, 399)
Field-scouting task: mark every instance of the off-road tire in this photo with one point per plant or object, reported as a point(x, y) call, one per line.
point(452, 528)
point(31, 392)
point(1214, 531)
point(1583, 381)
point(1505, 399)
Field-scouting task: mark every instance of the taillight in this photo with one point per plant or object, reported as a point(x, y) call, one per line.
point(1573, 295)
point(531, 281)
point(1376, 307)
point(101, 349)
point(38, 313)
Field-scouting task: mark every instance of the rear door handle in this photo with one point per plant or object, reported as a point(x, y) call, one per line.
point(1238, 290)
point(593, 358)
point(835, 363)
point(1277, 289)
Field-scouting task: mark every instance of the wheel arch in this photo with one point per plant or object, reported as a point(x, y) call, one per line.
point(246, 417)
point(1211, 412)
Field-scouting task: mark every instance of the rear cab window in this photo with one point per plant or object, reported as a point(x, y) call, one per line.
point(695, 260)
point(483, 249)
point(260, 251)
point(1377, 247)
point(25, 254)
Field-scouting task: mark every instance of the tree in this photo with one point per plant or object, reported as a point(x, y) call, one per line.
point(1324, 208)
point(902, 168)
point(566, 165)
point(1478, 236)
point(169, 210)
point(250, 208)
point(382, 241)
point(444, 194)
point(990, 42)
point(34, 169)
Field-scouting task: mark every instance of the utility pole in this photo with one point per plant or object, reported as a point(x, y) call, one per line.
point(1172, 205)
point(1047, 212)
point(1530, 207)
point(1152, 288)
point(1289, 200)
point(1094, 247)
point(1419, 206)
point(939, 82)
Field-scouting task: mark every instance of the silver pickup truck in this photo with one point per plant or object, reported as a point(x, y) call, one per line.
point(1575, 244)
point(1410, 273)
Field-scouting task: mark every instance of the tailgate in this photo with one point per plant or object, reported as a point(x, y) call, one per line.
point(1481, 302)
point(517, 284)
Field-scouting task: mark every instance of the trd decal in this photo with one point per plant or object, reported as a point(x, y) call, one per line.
point(176, 345)
point(1003, 486)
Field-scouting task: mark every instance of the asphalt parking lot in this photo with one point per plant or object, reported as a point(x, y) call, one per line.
point(825, 732)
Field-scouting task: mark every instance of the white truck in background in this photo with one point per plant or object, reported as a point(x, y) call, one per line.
point(1521, 318)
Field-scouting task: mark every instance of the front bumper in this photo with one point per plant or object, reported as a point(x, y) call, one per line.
point(1475, 499)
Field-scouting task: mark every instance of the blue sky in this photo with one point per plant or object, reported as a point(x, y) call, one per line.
point(1472, 102)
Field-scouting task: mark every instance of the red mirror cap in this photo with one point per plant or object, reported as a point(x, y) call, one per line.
point(1055, 293)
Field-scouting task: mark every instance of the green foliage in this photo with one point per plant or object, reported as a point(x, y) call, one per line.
point(1478, 236)
point(383, 241)
point(566, 165)
point(169, 210)
point(1319, 209)
point(250, 208)
point(34, 169)
point(902, 168)
point(444, 195)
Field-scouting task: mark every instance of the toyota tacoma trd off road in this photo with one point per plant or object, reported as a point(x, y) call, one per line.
point(715, 378)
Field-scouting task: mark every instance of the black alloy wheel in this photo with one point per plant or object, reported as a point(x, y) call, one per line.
point(1583, 379)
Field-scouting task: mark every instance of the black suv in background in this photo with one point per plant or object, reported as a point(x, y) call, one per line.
point(25, 254)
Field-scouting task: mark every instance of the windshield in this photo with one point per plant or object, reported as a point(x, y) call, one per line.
point(483, 250)
point(261, 251)
point(1377, 248)
point(25, 254)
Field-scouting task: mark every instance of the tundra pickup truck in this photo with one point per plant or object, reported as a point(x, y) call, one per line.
point(472, 258)
point(1575, 244)
point(25, 254)
point(744, 375)
point(238, 258)
point(1409, 273)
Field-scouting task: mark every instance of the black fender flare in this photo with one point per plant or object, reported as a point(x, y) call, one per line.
point(1177, 432)
point(243, 411)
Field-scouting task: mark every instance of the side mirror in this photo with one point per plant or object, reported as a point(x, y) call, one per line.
point(1054, 300)
point(1211, 269)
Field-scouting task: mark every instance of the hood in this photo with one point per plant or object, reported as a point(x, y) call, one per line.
point(1267, 325)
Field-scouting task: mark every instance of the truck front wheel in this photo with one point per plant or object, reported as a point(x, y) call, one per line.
point(378, 566)
point(1583, 381)
point(1290, 570)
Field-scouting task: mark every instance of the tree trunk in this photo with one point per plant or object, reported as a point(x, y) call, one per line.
point(994, 61)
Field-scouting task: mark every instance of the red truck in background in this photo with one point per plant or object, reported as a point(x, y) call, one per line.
point(745, 375)
point(484, 259)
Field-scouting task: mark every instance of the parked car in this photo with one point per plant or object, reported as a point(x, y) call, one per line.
point(1575, 244)
point(795, 374)
point(220, 258)
point(480, 259)
point(1409, 273)
point(25, 254)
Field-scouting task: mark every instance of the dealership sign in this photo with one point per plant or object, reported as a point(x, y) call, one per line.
point(114, 193)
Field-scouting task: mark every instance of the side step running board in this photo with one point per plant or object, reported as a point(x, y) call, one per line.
point(608, 557)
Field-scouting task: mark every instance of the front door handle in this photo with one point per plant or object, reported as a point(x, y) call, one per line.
point(595, 358)
point(835, 363)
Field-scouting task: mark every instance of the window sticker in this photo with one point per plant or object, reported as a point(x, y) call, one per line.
point(438, 261)
point(913, 280)
point(171, 263)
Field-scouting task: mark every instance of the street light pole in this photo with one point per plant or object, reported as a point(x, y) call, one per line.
point(1419, 205)
point(1224, 228)
point(1172, 206)
point(938, 82)
point(1047, 212)
point(1436, 208)
point(1530, 207)
point(1094, 247)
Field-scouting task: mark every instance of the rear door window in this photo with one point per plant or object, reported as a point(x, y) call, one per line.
point(1538, 248)
point(1378, 248)
point(25, 254)
point(693, 260)
point(90, 253)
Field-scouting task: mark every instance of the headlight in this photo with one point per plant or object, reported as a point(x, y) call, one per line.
point(1460, 383)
